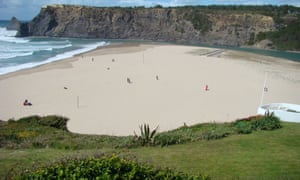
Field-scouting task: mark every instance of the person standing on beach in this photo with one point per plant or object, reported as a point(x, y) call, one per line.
point(206, 88)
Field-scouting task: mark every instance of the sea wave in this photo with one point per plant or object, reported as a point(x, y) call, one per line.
point(68, 54)
point(85, 48)
point(53, 41)
point(8, 50)
point(9, 36)
point(15, 54)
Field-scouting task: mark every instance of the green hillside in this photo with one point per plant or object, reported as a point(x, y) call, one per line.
point(238, 150)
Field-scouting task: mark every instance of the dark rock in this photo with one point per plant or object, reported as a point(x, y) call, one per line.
point(23, 31)
point(14, 24)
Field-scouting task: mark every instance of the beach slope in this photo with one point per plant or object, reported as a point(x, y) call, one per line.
point(114, 89)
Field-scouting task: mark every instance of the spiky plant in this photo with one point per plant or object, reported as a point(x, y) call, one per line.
point(267, 122)
point(147, 136)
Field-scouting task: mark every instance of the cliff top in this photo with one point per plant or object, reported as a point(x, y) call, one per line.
point(223, 25)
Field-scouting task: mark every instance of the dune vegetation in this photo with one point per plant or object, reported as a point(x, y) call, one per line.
point(255, 147)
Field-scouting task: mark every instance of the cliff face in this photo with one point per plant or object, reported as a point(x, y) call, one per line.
point(166, 24)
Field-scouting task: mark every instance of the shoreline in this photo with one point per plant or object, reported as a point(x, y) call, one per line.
point(68, 61)
point(166, 87)
point(136, 43)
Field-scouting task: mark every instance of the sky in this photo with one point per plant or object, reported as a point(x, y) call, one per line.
point(28, 9)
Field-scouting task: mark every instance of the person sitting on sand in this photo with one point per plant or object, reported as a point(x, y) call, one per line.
point(27, 103)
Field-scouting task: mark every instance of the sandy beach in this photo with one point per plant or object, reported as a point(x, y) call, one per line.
point(114, 89)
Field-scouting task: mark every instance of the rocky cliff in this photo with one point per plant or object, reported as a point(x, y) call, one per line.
point(187, 25)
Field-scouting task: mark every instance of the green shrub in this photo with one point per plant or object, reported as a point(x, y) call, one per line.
point(214, 134)
point(104, 168)
point(178, 136)
point(39, 143)
point(166, 139)
point(243, 127)
point(253, 123)
point(266, 122)
point(51, 121)
point(207, 131)
point(29, 119)
point(54, 121)
point(9, 140)
point(10, 121)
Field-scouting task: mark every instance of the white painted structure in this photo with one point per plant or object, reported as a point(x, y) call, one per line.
point(285, 111)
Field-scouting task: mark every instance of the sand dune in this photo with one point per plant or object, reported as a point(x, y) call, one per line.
point(113, 90)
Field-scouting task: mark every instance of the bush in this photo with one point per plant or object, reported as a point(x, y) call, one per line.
point(266, 122)
point(54, 121)
point(178, 136)
point(104, 168)
point(207, 131)
point(51, 121)
point(166, 139)
point(214, 134)
point(243, 127)
point(29, 119)
point(36, 132)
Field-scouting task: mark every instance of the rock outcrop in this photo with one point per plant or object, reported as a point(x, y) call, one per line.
point(264, 44)
point(185, 25)
point(14, 24)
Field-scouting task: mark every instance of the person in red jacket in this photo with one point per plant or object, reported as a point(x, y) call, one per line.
point(206, 88)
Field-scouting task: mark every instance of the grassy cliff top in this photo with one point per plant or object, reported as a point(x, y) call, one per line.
point(229, 150)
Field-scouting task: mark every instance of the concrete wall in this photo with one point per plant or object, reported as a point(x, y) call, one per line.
point(280, 110)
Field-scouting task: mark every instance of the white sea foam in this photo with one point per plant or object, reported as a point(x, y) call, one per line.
point(7, 33)
point(68, 54)
point(9, 36)
point(15, 54)
point(12, 50)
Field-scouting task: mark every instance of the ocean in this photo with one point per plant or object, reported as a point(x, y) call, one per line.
point(22, 53)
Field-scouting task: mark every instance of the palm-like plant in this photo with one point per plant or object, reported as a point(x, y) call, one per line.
point(147, 136)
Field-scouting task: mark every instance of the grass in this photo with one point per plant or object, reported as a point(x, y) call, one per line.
point(259, 155)
point(40, 132)
point(13, 162)
point(263, 155)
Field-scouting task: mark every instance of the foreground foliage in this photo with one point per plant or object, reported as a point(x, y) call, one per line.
point(258, 155)
point(266, 122)
point(51, 131)
point(211, 131)
point(147, 136)
point(104, 168)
